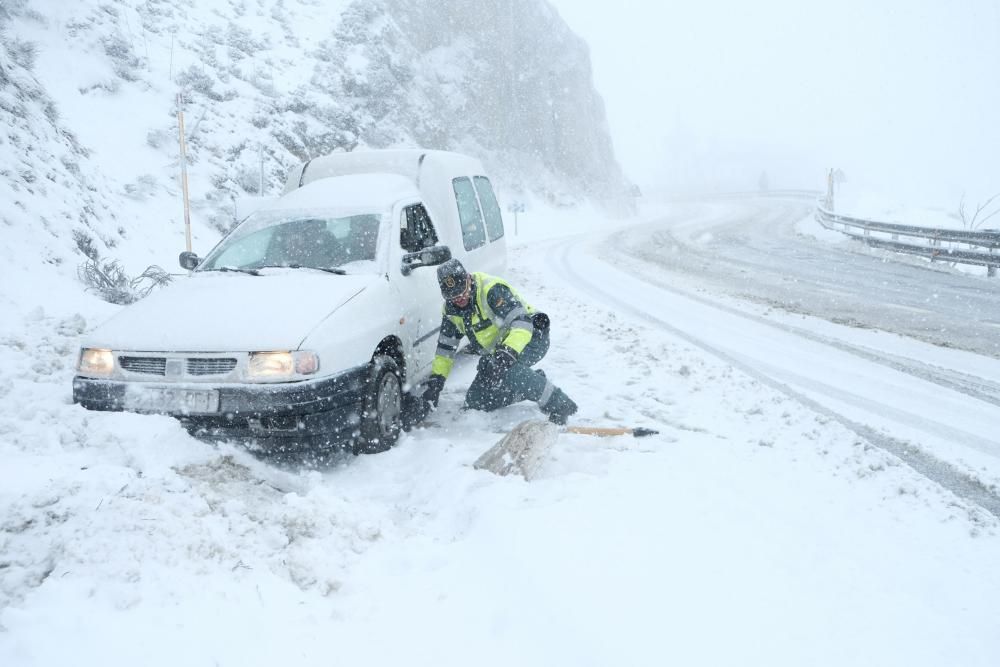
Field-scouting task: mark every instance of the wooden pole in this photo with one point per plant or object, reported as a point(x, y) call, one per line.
point(606, 432)
point(184, 173)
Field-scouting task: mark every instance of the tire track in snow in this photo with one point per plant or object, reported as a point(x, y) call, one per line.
point(970, 385)
point(756, 253)
point(940, 472)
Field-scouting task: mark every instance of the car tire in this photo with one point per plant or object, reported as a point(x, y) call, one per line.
point(381, 408)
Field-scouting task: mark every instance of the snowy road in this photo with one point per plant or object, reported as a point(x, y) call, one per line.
point(769, 523)
point(936, 409)
point(753, 250)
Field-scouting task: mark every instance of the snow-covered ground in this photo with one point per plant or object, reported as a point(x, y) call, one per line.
point(754, 529)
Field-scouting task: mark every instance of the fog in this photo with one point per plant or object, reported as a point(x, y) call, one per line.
point(903, 97)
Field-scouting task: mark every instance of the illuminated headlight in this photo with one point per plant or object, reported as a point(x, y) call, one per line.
point(276, 365)
point(94, 361)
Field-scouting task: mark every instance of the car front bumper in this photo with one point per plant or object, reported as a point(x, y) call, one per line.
point(323, 411)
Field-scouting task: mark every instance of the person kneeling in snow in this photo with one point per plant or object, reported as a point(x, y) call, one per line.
point(509, 335)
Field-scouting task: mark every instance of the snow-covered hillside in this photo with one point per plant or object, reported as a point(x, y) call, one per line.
point(88, 94)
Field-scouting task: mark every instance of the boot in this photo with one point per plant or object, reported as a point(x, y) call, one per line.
point(413, 412)
point(559, 407)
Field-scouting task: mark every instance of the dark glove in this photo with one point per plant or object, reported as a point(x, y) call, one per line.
point(494, 367)
point(433, 391)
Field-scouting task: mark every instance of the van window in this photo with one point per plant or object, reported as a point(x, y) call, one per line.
point(280, 238)
point(247, 252)
point(491, 209)
point(473, 231)
point(358, 235)
point(416, 231)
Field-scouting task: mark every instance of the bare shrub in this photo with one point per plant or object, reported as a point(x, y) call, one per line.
point(109, 280)
point(197, 79)
point(111, 86)
point(143, 187)
point(981, 215)
point(248, 180)
point(224, 220)
point(124, 61)
point(156, 138)
point(85, 243)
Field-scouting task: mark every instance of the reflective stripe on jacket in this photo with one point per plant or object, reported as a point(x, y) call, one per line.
point(495, 315)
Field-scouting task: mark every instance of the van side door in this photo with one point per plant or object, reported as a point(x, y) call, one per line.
point(418, 290)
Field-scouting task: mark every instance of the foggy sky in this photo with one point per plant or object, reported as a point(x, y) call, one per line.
point(903, 96)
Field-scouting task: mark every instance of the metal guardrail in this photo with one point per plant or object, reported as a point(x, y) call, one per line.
point(980, 248)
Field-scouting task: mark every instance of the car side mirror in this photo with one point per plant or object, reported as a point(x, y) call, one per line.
point(189, 260)
point(432, 256)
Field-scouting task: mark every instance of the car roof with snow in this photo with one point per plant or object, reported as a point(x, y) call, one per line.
point(350, 191)
point(410, 163)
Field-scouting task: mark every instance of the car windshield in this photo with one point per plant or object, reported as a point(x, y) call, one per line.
point(299, 240)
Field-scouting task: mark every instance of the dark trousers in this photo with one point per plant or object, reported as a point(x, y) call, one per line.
point(519, 384)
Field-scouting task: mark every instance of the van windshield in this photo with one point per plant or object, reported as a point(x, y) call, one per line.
point(304, 240)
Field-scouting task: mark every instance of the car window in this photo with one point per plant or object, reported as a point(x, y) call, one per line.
point(307, 241)
point(491, 209)
point(416, 231)
point(473, 230)
point(358, 236)
point(248, 252)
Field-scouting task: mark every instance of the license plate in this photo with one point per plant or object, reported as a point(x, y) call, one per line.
point(171, 400)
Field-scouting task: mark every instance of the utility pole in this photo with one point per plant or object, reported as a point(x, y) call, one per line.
point(184, 173)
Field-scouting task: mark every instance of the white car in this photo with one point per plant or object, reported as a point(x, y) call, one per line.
point(314, 322)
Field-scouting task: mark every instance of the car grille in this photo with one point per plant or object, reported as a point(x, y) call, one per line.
point(195, 366)
point(146, 365)
point(202, 366)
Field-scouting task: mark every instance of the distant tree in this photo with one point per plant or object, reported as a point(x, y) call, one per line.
point(762, 183)
point(981, 215)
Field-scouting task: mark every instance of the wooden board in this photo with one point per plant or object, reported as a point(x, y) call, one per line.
point(522, 451)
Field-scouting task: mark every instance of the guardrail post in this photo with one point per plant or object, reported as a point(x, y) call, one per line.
point(991, 271)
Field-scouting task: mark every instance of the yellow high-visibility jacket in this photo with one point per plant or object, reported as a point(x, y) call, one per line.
point(495, 315)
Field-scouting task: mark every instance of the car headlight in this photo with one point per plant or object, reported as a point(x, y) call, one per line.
point(276, 365)
point(96, 361)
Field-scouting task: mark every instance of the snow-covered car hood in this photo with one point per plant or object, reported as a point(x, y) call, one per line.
point(217, 312)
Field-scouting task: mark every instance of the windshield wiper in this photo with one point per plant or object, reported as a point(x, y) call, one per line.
point(328, 269)
point(339, 272)
point(252, 272)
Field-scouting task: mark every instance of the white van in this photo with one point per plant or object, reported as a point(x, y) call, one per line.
point(314, 322)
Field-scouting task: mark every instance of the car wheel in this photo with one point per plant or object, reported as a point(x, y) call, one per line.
point(381, 408)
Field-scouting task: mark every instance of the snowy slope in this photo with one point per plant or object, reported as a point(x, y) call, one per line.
point(751, 530)
point(88, 94)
